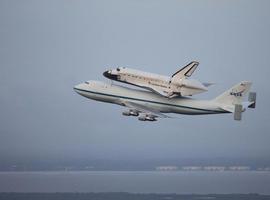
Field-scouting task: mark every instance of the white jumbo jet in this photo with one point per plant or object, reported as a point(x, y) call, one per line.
point(176, 85)
point(148, 106)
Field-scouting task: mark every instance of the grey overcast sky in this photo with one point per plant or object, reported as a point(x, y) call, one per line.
point(47, 47)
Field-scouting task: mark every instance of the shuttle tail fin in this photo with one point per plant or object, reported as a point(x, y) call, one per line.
point(186, 71)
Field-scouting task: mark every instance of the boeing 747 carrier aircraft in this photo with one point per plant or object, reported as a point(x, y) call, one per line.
point(148, 106)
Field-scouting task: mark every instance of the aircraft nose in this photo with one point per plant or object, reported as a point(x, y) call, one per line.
point(108, 74)
point(77, 88)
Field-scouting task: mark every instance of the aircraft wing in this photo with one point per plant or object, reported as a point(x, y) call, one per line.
point(160, 92)
point(154, 89)
point(145, 109)
point(186, 71)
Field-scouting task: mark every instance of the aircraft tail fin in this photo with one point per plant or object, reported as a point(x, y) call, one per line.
point(186, 71)
point(235, 95)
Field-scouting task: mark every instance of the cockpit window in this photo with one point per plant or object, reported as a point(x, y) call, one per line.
point(86, 82)
point(118, 69)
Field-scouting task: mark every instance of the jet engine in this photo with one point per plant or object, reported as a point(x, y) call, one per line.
point(145, 117)
point(130, 113)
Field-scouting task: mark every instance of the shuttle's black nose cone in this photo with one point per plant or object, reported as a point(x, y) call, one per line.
point(109, 75)
point(106, 74)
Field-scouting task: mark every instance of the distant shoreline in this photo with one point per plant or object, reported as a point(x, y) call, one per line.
point(162, 182)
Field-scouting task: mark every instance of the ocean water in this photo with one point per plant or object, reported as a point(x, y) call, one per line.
point(179, 182)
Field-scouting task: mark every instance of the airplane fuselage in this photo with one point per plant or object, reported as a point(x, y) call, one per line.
point(119, 95)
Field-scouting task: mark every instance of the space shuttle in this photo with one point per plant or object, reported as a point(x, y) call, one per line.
point(179, 84)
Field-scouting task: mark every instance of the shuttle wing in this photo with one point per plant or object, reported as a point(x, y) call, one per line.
point(145, 109)
point(155, 90)
point(186, 71)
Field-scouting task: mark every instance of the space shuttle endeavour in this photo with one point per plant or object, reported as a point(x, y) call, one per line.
point(178, 84)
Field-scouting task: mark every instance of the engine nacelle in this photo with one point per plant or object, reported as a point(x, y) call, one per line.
point(130, 113)
point(126, 113)
point(147, 118)
point(142, 118)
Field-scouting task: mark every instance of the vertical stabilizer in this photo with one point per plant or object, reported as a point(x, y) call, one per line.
point(186, 71)
point(234, 95)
